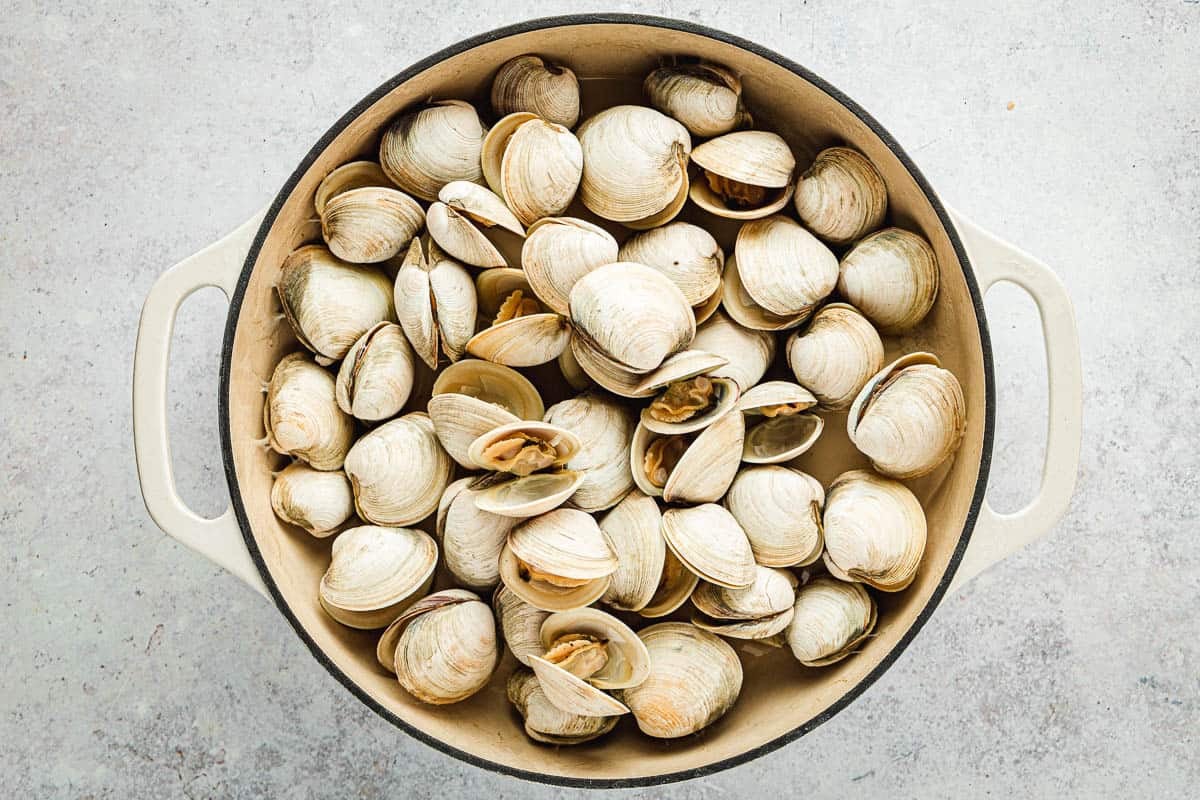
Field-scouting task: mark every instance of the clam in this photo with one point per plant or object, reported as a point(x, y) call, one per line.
point(528, 496)
point(604, 429)
point(318, 501)
point(685, 253)
point(586, 651)
point(445, 647)
point(892, 277)
point(546, 722)
point(747, 175)
point(596, 366)
point(330, 302)
point(747, 353)
point(874, 531)
point(472, 397)
point(375, 573)
point(376, 376)
point(435, 297)
point(632, 314)
point(705, 97)
point(675, 585)
point(780, 510)
point(688, 468)
point(456, 220)
point(520, 623)
point(695, 677)
point(522, 448)
point(533, 84)
point(572, 373)
point(634, 166)
point(558, 251)
point(534, 164)
point(398, 471)
point(746, 312)
point(634, 529)
point(689, 404)
point(777, 427)
point(522, 332)
point(471, 538)
point(423, 150)
point(558, 561)
point(782, 267)
point(909, 417)
point(830, 619)
point(759, 611)
point(354, 175)
point(836, 355)
point(370, 224)
point(301, 414)
point(841, 197)
point(710, 542)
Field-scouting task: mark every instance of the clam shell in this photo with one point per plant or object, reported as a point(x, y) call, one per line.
point(385, 648)
point(398, 471)
point(375, 573)
point(301, 414)
point(780, 511)
point(370, 224)
point(520, 623)
point(681, 366)
point(415, 304)
point(705, 97)
point(447, 653)
point(685, 253)
point(457, 235)
point(545, 722)
point(634, 529)
point(781, 439)
point(376, 376)
point(353, 175)
point(891, 276)
point(532, 495)
point(494, 143)
point(569, 693)
point(874, 530)
point(572, 373)
point(471, 538)
point(747, 353)
point(841, 197)
point(709, 542)
point(472, 397)
point(706, 468)
point(604, 371)
point(566, 543)
point(830, 619)
point(532, 84)
point(761, 628)
point(480, 205)
point(318, 501)
point(738, 303)
point(540, 169)
point(675, 586)
point(423, 150)
point(783, 267)
point(494, 286)
point(523, 341)
point(772, 592)
point(726, 392)
point(565, 443)
point(605, 430)
point(558, 251)
point(454, 300)
point(755, 158)
point(836, 355)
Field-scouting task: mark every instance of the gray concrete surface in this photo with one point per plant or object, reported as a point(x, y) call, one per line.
point(131, 138)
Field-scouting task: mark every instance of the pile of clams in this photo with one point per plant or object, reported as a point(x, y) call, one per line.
point(539, 407)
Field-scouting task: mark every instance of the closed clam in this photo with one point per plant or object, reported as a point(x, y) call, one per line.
point(531, 83)
point(747, 353)
point(522, 332)
point(835, 355)
point(747, 174)
point(318, 501)
point(688, 468)
point(841, 197)
point(423, 150)
point(634, 166)
point(435, 300)
point(705, 97)
point(634, 529)
point(558, 561)
point(605, 430)
point(398, 471)
point(778, 427)
point(546, 722)
point(445, 647)
point(710, 543)
point(891, 276)
point(370, 224)
point(746, 311)
point(558, 251)
point(780, 510)
point(353, 175)
point(910, 417)
point(375, 573)
point(829, 620)
point(534, 164)
point(472, 397)
point(685, 253)
point(301, 414)
point(471, 538)
point(783, 267)
point(758, 611)
point(520, 623)
point(458, 219)
point(874, 531)
point(376, 376)
point(695, 677)
point(330, 302)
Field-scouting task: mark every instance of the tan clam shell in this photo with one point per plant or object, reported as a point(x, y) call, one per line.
point(781, 438)
point(494, 286)
point(830, 619)
point(375, 573)
point(301, 414)
point(353, 175)
point(757, 629)
point(706, 309)
point(604, 371)
point(415, 304)
point(605, 431)
point(695, 677)
point(681, 366)
point(494, 143)
point(841, 197)
point(637, 327)
point(634, 529)
point(705, 97)
point(685, 253)
point(330, 303)
point(532, 84)
point(910, 417)
point(471, 538)
point(544, 721)
point(874, 530)
point(398, 471)
point(313, 499)
point(565, 443)
point(835, 355)
point(706, 468)
point(772, 592)
point(565, 543)
point(709, 542)
point(571, 371)
point(531, 495)
point(675, 586)
point(457, 235)
point(891, 276)
point(780, 510)
point(472, 397)
point(376, 376)
point(520, 623)
point(389, 640)
point(783, 267)
point(726, 392)
point(448, 649)
point(522, 342)
point(558, 251)
point(755, 158)
point(370, 224)
point(570, 693)
point(634, 166)
point(540, 169)
point(454, 297)
point(423, 150)
point(747, 353)
point(480, 205)
point(738, 303)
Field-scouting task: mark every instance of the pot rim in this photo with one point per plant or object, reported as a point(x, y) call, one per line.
point(572, 20)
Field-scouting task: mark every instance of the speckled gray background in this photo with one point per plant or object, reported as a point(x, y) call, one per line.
point(129, 139)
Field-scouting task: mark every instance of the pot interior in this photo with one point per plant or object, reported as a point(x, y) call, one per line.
point(779, 695)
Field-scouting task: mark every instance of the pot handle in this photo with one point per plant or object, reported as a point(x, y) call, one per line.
point(996, 535)
point(220, 539)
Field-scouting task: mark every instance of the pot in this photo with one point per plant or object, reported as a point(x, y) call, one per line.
point(783, 700)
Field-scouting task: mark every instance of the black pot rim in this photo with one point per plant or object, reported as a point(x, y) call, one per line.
point(569, 21)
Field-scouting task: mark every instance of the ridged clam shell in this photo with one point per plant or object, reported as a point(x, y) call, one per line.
point(783, 267)
point(370, 224)
point(709, 542)
point(841, 197)
point(545, 722)
point(705, 97)
point(874, 530)
point(376, 376)
point(530, 83)
point(540, 168)
point(520, 623)
point(471, 538)
point(605, 430)
point(634, 529)
point(746, 312)
point(558, 251)
point(891, 276)
point(423, 150)
point(685, 253)
point(835, 355)
point(447, 653)
point(523, 341)
point(375, 573)
point(301, 414)
point(532, 495)
point(398, 471)
point(780, 511)
point(830, 619)
point(318, 501)
point(755, 158)
point(772, 592)
point(706, 468)
point(747, 353)
point(353, 175)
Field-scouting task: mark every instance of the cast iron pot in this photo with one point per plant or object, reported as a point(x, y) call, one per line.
point(781, 700)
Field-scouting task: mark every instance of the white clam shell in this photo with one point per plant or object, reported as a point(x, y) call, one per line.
point(772, 592)
point(605, 431)
point(841, 197)
point(781, 438)
point(565, 443)
point(316, 500)
point(780, 511)
point(705, 97)
point(540, 168)
point(783, 267)
point(375, 573)
point(565, 543)
point(457, 220)
point(835, 355)
point(546, 722)
point(760, 628)
point(674, 587)
point(726, 392)
point(353, 175)
point(891, 276)
point(472, 397)
point(376, 377)
point(875, 530)
point(531, 495)
point(747, 353)
point(398, 471)
point(423, 150)
point(520, 623)
point(746, 312)
point(711, 543)
point(471, 538)
point(301, 414)
point(370, 224)
point(532, 84)
point(830, 619)
point(634, 529)
point(706, 468)
point(755, 158)
point(523, 341)
point(448, 649)
point(558, 251)
point(685, 253)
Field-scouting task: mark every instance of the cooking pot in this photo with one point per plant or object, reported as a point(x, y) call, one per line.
point(781, 700)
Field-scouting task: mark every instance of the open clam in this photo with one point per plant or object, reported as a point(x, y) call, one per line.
point(521, 333)
point(829, 620)
point(634, 529)
point(534, 164)
point(435, 298)
point(605, 430)
point(675, 585)
point(301, 414)
point(558, 251)
point(523, 448)
point(835, 355)
point(353, 175)
point(841, 197)
point(874, 531)
point(459, 217)
point(891, 276)
point(558, 561)
point(746, 312)
point(375, 573)
point(747, 174)
point(423, 150)
point(687, 400)
point(710, 543)
point(758, 611)
point(376, 376)
point(778, 427)
point(780, 510)
point(705, 97)
point(688, 468)
point(472, 397)
point(318, 501)
point(546, 722)
point(471, 538)
point(398, 471)
point(531, 83)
